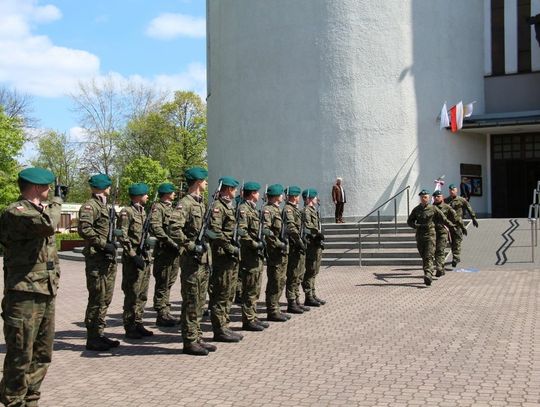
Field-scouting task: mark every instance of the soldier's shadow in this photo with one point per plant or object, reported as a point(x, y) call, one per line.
point(385, 279)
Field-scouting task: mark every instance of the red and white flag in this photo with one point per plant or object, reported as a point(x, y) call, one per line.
point(445, 121)
point(456, 117)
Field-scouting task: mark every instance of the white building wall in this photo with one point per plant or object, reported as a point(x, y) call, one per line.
point(303, 91)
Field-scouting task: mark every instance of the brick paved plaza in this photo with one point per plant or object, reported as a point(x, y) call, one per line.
point(383, 339)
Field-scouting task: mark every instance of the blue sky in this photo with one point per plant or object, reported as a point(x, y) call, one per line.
point(47, 46)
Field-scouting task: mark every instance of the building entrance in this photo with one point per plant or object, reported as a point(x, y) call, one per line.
point(515, 171)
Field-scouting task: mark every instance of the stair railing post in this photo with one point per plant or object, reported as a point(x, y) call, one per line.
point(379, 227)
point(395, 217)
point(360, 245)
point(408, 212)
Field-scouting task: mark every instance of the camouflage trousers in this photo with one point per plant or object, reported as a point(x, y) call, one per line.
point(457, 238)
point(165, 271)
point(440, 249)
point(276, 273)
point(222, 289)
point(295, 273)
point(29, 333)
point(312, 267)
point(194, 286)
point(425, 243)
point(250, 269)
point(100, 277)
point(135, 288)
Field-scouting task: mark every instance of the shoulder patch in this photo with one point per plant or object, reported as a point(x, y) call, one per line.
point(20, 208)
point(87, 207)
point(242, 212)
point(266, 211)
point(289, 211)
point(216, 210)
point(124, 214)
point(179, 207)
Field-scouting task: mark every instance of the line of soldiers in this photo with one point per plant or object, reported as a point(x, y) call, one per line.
point(435, 225)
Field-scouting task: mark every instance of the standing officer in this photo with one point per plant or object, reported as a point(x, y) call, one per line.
point(100, 259)
point(442, 232)
point(315, 244)
point(31, 275)
point(276, 251)
point(186, 222)
point(423, 218)
point(252, 254)
point(225, 259)
point(297, 250)
point(339, 199)
point(166, 255)
point(135, 262)
point(459, 204)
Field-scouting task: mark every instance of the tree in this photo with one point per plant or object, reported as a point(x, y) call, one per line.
point(142, 169)
point(17, 106)
point(56, 153)
point(11, 143)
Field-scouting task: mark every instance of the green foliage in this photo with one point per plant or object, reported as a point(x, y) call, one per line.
point(11, 143)
point(66, 236)
point(142, 169)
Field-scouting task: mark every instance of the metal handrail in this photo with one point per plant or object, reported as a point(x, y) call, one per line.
point(377, 209)
point(534, 212)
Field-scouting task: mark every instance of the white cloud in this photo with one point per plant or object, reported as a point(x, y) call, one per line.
point(77, 135)
point(168, 26)
point(193, 79)
point(32, 63)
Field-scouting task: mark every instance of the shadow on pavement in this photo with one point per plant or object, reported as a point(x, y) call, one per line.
point(385, 277)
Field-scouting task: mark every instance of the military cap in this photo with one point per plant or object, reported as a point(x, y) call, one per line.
point(437, 193)
point(423, 192)
point(166, 188)
point(228, 182)
point(100, 181)
point(451, 186)
point(293, 191)
point(274, 190)
point(37, 175)
point(252, 186)
point(138, 189)
point(309, 193)
point(196, 173)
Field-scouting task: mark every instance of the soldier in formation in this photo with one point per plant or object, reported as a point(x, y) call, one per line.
point(442, 232)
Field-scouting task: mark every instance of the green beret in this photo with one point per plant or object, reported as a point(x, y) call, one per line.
point(196, 173)
point(252, 186)
point(228, 182)
point(274, 190)
point(100, 181)
point(423, 192)
point(309, 193)
point(293, 191)
point(36, 175)
point(138, 189)
point(451, 186)
point(166, 188)
point(437, 193)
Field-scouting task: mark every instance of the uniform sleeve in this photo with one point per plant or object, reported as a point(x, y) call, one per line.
point(87, 217)
point(177, 221)
point(15, 226)
point(292, 228)
point(411, 220)
point(216, 227)
point(469, 209)
point(243, 225)
point(271, 240)
point(311, 223)
point(452, 217)
point(124, 221)
point(440, 218)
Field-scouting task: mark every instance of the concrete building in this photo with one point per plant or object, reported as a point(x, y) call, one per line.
point(302, 91)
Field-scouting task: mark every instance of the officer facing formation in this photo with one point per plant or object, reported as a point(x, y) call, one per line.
point(423, 218)
point(100, 258)
point(459, 204)
point(166, 255)
point(135, 262)
point(31, 275)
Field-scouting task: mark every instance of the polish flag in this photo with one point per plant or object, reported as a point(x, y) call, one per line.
point(456, 117)
point(445, 121)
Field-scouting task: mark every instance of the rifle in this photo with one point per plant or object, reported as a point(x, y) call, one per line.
point(204, 227)
point(320, 235)
point(141, 250)
point(111, 236)
point(262, 250)
point(283, 233)
point(236, 235)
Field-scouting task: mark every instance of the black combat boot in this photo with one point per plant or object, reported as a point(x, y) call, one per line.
point(311, 302)
point(264, 324)
point(238, 298)
point(252, 326)
point(113, 343)
point(142, 330)
point(165, 320)
point(223, 336)
point(293, 308)
point(208, 346)
point(194, 348)
point(303, 307)
point(133, 333)
point(277, 318)
point(96, 344)
point(322, 302)
point(427, 280)
point(234, 333)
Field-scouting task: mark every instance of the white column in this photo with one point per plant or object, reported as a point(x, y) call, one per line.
point(510, 36)
point(487, 37)
point(535, 47)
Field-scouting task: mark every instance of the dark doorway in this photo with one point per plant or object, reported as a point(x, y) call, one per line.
point(515, 171)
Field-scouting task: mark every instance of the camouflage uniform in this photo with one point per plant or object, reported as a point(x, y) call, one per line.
point(31, 275)
point(100, 267)
point(313, 252)
point(134, 280)
point(442, 236)
point(423, 219)
point(166, 259)
point(185, 223)
point(276, 262)
point(459, 205)
point(297, 252)
point(224, 264)
point(251, 263)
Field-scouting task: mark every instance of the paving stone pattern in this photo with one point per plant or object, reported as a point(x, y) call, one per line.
point(383, 339)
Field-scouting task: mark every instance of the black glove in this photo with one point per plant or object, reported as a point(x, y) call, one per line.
point(139, 262)
point(110, 248)
point(475, 223)
point(172, 245)
point(301, 245)
point(61, 191)
point(464, 230)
